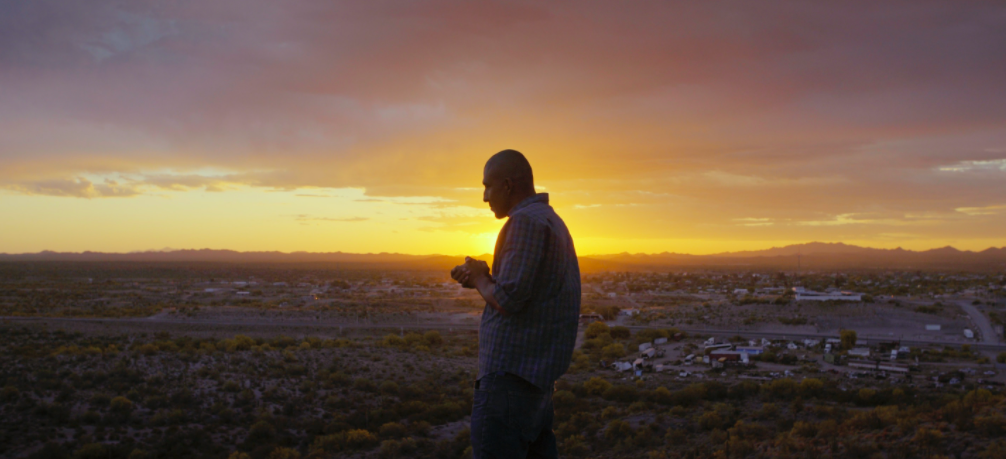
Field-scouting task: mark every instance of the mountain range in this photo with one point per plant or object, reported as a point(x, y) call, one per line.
point(809, 256)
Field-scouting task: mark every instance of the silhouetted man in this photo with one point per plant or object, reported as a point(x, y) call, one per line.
point(529, 324)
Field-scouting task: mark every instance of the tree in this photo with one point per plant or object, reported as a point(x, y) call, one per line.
point(848, 338)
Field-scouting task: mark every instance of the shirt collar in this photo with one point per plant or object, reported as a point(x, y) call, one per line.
point(538, 198)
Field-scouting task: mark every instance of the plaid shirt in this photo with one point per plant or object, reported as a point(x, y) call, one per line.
point(538, 283)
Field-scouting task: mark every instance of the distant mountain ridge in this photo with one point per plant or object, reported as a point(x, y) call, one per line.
point(813, 255)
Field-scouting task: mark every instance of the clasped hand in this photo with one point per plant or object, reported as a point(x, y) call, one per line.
point(470, 272)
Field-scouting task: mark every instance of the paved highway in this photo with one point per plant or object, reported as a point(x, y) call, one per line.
point(985, 346)
point(981, 321)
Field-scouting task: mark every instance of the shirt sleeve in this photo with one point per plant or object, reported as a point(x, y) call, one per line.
point(523, 249)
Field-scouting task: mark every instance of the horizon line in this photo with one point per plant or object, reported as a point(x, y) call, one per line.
point(172, 250)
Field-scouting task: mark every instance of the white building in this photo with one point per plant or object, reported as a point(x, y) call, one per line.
point(808, 295)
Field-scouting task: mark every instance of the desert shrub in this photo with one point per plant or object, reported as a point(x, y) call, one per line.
point(575, 446)
point(596, 329)
point(389, 388)
point(621, 393)
point(284, 453)
point(650, 334)
point(618, 431)
point(992, 426)
point(848, 339)
point(51, 450)
point(563, 399)
point(121, 405)
point(781, 388)
point(613, 351)
point(803, 429)
point(995, 450)
point(391, 449)
point(261, 431)
point(690, 395)
point(91, 451)
point(9, 394)
point(710, 420)
point(393, 430)
point(338, 378)
point(811, 387)
point(596, 386)
point(866, 395)
point(360, 438)
point(620, 332)
point(433, 338)
point(100, 400)
point(364, 384)
point(238, 343)
point(393, 341)
point(743, 390)
point(661, 395)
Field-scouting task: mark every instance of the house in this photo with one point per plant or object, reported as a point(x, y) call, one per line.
point(859, 352)
point(750, 350)
point(621, 366)
point(834, 295)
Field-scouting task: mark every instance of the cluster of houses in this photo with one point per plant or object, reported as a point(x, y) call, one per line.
point(644, 362)
point(722, 355)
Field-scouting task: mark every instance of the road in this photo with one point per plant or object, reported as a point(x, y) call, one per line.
point(985, 346)
point(980, 320)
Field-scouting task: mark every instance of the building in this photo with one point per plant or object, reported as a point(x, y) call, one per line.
point(750, 350)
point(859, 352)
point(877, 365)
point(834, 295)
point(715, 347)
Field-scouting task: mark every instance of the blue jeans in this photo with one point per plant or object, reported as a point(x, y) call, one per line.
point(511, 418)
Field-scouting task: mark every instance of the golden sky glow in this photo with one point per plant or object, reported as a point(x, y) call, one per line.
point(695, 127)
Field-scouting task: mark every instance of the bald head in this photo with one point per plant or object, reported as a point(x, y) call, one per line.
point(508, 181)
point(511, 164)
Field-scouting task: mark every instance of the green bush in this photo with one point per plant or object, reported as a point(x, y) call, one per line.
point(393, 430)
point(613, 351)
point(620, 332)
point(621, 393)
point(596, 386)
point(596, 329)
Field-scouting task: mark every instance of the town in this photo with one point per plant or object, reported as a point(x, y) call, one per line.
point(223, 360)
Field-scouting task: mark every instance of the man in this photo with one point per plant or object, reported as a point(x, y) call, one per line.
point(529, 324)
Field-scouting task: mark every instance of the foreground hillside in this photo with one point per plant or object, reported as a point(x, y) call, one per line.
point(135, 396)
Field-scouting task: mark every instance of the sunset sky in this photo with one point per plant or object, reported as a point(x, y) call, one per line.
point(363, 126)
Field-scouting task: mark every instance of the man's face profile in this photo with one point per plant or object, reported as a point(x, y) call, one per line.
point(495, 192)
